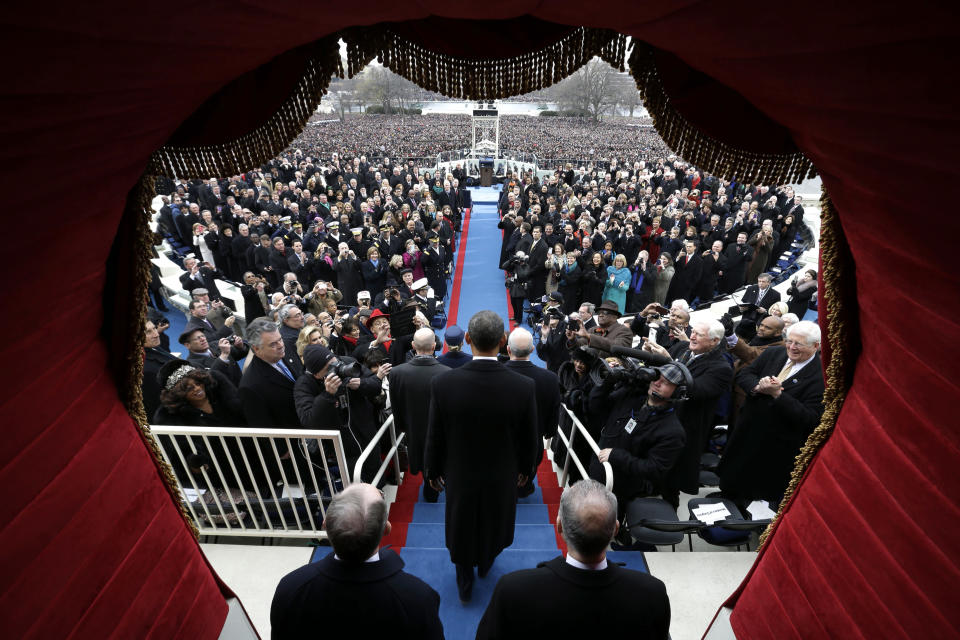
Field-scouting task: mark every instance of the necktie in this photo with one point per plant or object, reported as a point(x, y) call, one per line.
point(785, 372)
point(284, 369)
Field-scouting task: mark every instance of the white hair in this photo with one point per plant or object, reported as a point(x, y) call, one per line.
point(809, 330)
point(520, 343)
point(714, 329)
point(680, 304)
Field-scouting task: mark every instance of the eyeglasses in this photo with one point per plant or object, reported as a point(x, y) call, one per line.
point(796, 343)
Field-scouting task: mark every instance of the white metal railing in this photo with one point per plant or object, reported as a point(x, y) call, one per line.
point(386, 427)
point(236, 482)
point(568, 441)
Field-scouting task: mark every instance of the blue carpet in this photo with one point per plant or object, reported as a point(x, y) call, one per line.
point(426, 513)
point(534, 498)
point(433, 566)
point(481, 286)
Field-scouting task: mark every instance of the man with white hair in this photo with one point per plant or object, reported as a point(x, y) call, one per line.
point(704, 356)
point(520, 346)
point(410, 399)
point(784, 403)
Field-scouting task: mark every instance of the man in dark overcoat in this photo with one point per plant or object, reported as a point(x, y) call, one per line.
point(784, 388)
point(410, 399)
point(712, 373)
point(583, 595)
point(481, 445)
point(358, 590)
point(520, 346)
point(266, 388)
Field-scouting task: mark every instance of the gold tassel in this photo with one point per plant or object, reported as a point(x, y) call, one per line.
point(837, 269)
point(132, 393)
point(267, 140)
point(483, 79)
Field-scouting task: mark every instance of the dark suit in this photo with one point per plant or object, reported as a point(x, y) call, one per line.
point(368, 600)
point(231, 370)
point(214, 335)
point(760, 453)
point(267, 395)
point(548, 405)
point(712, 374)
point(576, 603)
point(454, 359)
point(686, 276)
point(153, 359)
point(548, 395)
point(735, 273)
point(750, 297)
point(410, 399)
point(204, 280)
point(481, 435)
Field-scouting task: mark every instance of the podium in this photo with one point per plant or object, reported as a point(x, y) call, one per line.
point(486, 172)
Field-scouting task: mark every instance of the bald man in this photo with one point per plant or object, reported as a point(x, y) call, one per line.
point(410, 399)
point(581, 595)
point(357, 588)
point(520, 346)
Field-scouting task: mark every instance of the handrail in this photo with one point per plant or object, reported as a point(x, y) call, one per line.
point(256, 490)
point(391, 455)
point(578, 426)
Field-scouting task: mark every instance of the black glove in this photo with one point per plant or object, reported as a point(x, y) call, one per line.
point(727, 321)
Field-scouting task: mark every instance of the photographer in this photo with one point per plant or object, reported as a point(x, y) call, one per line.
point(292, 290)
point(317, 298)
point(552, 345)
point(518, 271)
point(649, 324)
point(712, 372)
point(256, 296)
point(576, 384)
point(337, 392)
point(640, 435)
point(608, 332)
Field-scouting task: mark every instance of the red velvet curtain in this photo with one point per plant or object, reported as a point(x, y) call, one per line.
point(93, 546)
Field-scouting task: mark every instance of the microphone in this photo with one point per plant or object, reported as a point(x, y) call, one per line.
point(648, 357)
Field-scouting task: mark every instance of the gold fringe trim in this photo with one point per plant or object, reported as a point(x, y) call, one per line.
point(719, 158)
point(483, 79)
point(132, 394)
point(266, 141)
point(839, 284)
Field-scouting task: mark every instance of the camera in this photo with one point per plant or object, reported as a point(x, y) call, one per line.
point(345, 370)
point(573, 324)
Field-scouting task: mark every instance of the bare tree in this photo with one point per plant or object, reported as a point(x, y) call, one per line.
point(380, 86)
point(591, 90)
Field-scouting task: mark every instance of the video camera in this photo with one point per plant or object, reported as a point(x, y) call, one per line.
point(638, 367)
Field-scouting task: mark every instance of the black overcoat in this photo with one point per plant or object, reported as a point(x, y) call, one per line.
point(410, 399)
point(760, 454)
point(712, 375)
point(577, 603)
point(482, 433)
point(368, 600)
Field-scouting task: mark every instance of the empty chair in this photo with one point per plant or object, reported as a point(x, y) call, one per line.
point(654, 521)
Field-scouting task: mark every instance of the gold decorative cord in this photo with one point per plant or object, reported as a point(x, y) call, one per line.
point(138, 208)
point(483, 79)
point(266, 141)
point(839, 293)
point(710, 154)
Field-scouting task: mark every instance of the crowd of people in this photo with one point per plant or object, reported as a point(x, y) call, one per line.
point(343, 263)
point(427, 135)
